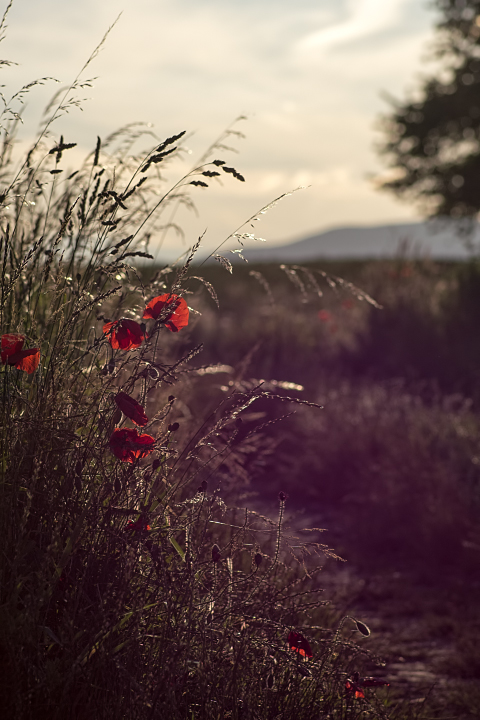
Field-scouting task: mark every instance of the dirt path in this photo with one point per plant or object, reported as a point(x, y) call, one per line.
point(425, 634)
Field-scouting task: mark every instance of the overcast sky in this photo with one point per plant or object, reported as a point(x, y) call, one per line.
point(308, 74)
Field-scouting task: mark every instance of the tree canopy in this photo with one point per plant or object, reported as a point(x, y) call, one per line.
point(432, 141)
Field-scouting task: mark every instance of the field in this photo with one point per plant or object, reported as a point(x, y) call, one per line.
point(176, 439)
point(390, 464)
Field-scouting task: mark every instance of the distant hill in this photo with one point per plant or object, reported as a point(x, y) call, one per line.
point(377, 241)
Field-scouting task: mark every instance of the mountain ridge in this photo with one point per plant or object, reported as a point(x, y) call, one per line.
point(414, 239)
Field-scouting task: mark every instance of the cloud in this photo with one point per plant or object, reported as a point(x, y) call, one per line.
point(308, 73)
point(364, 18)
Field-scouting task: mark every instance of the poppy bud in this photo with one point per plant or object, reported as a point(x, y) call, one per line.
point(361, 627)
point(282, 496)
point(173, 427)
point(156, 464)
point(258, 559)
point(171, 398)
point(216, 555)
point(203, 487)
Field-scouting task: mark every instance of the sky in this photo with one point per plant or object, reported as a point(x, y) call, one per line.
point(309, 76)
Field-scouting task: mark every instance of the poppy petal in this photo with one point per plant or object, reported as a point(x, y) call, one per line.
point(11, 344)
point(124, 334)
point(26, 360)
point(131, 408)
point(299, 644)
point(372, 682)
point(127, 445)
point(175, 317)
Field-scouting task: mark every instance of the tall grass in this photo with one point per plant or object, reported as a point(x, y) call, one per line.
point(391, 462)
point(131, 584)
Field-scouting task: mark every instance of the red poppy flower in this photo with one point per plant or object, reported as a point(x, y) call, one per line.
point(299, 644)
point(138, 526)
point(12, 353)
point(124, 334)
point(131, 408)
point(172, 308)
point(353, 689)
point(355, 684)
point(127, 445)
point(324, 315)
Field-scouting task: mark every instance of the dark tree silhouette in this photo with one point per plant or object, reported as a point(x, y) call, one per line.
point(432, 142)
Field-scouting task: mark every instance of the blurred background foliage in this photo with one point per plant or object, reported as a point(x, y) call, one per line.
point(391, 465)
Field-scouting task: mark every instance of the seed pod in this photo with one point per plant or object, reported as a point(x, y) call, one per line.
point(362, 628)
point(216, 555)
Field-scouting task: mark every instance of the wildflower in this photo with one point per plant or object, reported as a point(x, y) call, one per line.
point(124, 334)
point(139, 526)
point(12, 353)
point(131, 408)
point(299, 644)
point(174, 317)
point(127, 445)
point(355, 684)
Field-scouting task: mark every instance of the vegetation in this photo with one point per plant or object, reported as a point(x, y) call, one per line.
point(132, 586)
point(142, 454)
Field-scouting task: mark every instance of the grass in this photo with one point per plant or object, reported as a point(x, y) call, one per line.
point(134, 584)
point(142, 574)
point(390, 465)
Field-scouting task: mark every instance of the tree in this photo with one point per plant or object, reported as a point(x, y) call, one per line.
point(432, 142)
